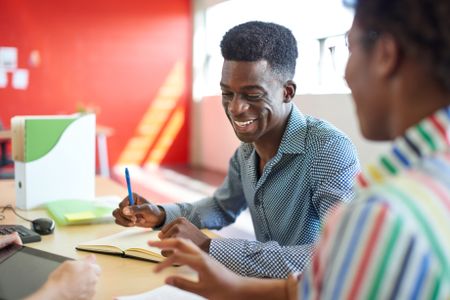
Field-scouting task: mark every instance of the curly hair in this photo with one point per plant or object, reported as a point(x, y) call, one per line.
point(421, 27)
point(255, 40)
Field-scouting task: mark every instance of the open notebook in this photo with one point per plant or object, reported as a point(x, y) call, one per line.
point(131, 242)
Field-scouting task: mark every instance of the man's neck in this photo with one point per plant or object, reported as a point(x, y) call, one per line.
point(268, 146)
point(416, 103)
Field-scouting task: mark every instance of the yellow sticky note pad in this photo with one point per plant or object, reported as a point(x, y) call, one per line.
point(80, 216)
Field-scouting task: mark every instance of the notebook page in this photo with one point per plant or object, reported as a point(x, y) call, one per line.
point(164, 292)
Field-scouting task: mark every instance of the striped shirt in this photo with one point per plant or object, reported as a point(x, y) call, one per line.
point(311, 173)
point(393, 241)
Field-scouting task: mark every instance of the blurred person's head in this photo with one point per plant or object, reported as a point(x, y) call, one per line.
point(257, 87)
point(399, 66)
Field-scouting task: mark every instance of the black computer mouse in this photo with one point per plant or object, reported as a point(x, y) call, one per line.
point(43, 226)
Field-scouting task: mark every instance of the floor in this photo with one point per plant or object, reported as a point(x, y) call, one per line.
point(182, 184)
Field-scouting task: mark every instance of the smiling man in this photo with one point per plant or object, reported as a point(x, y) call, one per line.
point(290, 171)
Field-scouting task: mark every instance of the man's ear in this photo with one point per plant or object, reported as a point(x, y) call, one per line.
point(387, 55)
point(289, 91)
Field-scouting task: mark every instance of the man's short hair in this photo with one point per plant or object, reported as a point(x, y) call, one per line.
point(421, 27)
point(254, 41)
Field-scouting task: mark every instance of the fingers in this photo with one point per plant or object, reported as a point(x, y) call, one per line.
point(10, 239)
point(178, 258)
point(179, 244)
point(137, 200)
point(90, 259)
point(124, 202)
point(120, 217)
point(168, 262)
point(184, 252)
point(97, 269)
point(135, 215)
point(182, 228)
point(176, 227)
point(123, 220)
point(142, 213)
point(184, 284)
point(16, 238)
point(123, 214)
point(170, 231)
point(143, 209)
point(91, 262)
point(166, 253)
point(146, 215)
point(170, 226)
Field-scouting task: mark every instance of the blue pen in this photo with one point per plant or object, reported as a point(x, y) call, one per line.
point(130, 194)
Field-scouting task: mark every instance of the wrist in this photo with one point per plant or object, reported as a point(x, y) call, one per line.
point(206, 245)
point(292, 286)
point(162, 216)
point(256, 288)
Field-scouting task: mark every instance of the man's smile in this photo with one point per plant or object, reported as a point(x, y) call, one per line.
point(243, 123)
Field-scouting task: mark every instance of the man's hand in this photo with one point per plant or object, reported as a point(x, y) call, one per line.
point(143, 213)
point(71, 280)
point(214, 280)
point(5, 240)
point(182, 228)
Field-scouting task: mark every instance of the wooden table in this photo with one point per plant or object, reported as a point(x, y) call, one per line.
point(120, 276)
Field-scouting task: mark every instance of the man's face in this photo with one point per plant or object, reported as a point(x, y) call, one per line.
point(372, 104)
point(253, 99)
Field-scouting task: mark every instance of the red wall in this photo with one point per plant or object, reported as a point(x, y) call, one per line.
point(111, 55)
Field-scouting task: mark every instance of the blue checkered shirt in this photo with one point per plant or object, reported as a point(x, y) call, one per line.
point(311, 173)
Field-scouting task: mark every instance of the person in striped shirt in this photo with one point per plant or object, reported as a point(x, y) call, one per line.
point(393, 241)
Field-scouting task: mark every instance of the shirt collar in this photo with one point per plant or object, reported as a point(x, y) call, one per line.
point(293, 140)
point(428, 137)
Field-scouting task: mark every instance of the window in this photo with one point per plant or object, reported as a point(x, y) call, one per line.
point(318, 25)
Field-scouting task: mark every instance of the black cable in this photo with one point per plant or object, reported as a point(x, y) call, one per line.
point(3, 208)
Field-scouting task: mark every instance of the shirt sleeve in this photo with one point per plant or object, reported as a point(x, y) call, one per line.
point(214, 212)
point(368, 250)
point(257, 259)
point(333, 170)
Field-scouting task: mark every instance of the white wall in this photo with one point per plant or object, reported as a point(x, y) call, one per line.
point(213, 140)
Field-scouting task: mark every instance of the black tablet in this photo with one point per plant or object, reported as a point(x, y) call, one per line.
point(24, 270)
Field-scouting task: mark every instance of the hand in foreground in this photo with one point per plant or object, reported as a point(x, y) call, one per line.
point(214, 280)
point(71, 280)
point(182, 228)
point(6, 240)
point(143, 213)
point(217, 282)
